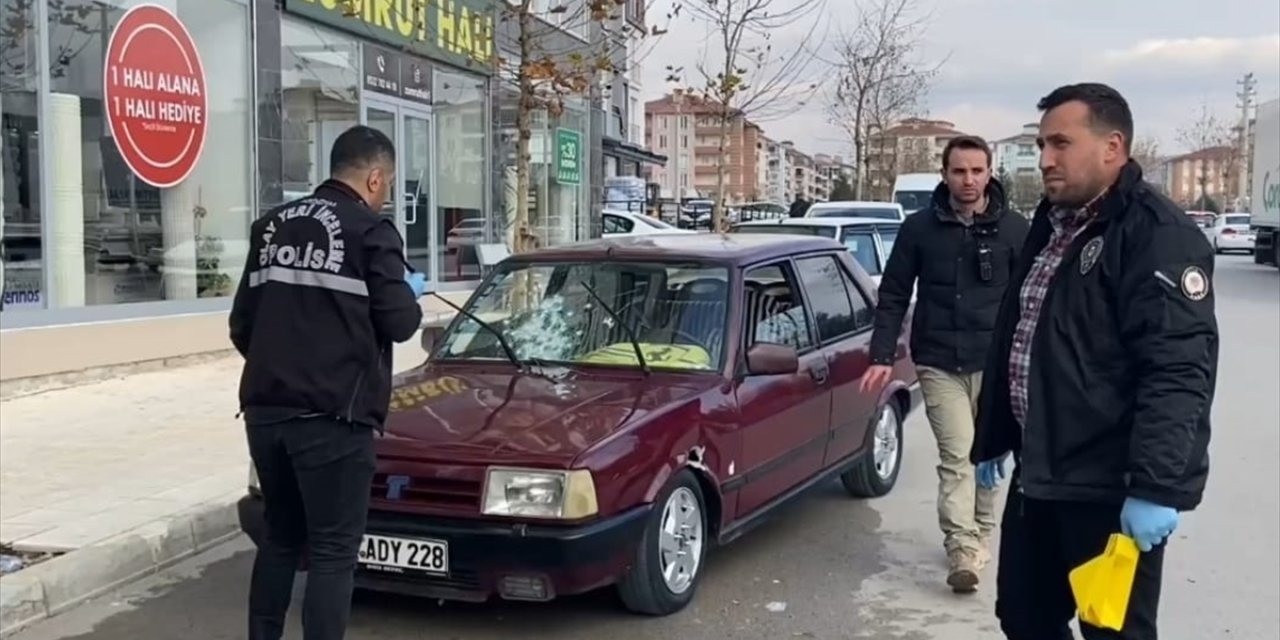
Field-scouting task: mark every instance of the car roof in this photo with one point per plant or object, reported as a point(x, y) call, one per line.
point(711, 247)
point(833, 221)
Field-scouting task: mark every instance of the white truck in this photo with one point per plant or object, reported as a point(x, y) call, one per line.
point(1265, 192)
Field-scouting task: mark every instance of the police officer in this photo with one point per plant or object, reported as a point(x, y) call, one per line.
point(324, 295)
point(960, 250)
point(1103, 374)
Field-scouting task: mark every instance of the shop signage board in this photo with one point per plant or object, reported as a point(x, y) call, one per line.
point(395, 74)
point(155, 94)
point(458, 32)
point(568, 157)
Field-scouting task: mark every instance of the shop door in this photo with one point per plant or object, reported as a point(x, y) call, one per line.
point(410, 203)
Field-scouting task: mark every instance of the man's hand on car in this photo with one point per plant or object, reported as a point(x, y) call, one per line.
point(876, 377)
point(418, 282)
point(1147, 523)
point(991, 472)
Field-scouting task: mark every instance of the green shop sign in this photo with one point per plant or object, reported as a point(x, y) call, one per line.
point(568, 157)
point(458, 32)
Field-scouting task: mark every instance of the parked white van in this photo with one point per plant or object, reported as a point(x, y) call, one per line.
point(914, 190)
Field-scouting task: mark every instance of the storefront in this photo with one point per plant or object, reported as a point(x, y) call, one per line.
point(139, 140)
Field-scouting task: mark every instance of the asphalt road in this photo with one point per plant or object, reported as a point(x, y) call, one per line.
point(831, 567)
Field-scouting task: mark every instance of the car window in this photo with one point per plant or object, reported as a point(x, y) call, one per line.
point(1241, 220)
point(774, 309)
point(864, 315)
point(888, 236)
point(678, 314)
point(880, 213)
point(617, 224)
point(862, 245)
point(828, 296)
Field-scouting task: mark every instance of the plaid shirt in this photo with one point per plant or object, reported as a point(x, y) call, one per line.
point(1067, 224)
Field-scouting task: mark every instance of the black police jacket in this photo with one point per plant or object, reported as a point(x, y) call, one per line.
point(960, 273)
point(320, 303)
point(1123, 359)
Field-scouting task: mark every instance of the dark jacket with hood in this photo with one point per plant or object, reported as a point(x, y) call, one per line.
point(322, 299)
point(959, 271)
point(1124, 359)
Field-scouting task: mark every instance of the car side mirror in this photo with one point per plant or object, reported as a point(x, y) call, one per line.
point(768, 359)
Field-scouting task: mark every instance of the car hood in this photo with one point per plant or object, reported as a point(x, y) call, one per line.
point(494, 415)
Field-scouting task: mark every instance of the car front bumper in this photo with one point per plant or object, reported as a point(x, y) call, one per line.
point(514, 561)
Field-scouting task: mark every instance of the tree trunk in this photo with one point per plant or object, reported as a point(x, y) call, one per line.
point(717, 213)
point(523, 233)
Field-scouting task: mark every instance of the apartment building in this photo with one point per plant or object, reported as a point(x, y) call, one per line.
point(774, 171)
point(833, 169)
point(1018, 153)
point(1211, 172)
point(686, 129)
point(913, 145)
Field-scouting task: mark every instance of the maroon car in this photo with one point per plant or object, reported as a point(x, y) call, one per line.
point(606, 413)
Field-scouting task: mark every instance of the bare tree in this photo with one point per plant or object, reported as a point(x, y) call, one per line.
point(880, 79)
point(1210, 136)
point(744, 76)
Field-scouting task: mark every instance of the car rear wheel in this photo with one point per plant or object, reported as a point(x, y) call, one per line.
point(877, 472)
point(668, 564)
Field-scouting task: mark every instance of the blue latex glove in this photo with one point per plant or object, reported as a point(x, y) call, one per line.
point(991, 472)
point(418, 282)
point(1147, 523)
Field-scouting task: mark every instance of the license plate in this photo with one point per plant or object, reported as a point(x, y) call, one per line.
point(401, 555)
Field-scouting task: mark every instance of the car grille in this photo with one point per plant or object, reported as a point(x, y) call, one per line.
point(460, 579)
point(447, 493)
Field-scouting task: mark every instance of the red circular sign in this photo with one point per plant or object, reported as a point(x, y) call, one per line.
point(155, 94)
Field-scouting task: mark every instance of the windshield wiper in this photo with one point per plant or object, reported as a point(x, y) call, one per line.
point(631, 335)
point(502, 341)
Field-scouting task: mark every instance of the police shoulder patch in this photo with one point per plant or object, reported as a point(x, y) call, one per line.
point(1194, 283)
point(1090, 254)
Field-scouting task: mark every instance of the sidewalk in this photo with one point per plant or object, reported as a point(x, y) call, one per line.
point(138, 460)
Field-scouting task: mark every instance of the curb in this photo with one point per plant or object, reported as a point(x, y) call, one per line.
point(51, 587)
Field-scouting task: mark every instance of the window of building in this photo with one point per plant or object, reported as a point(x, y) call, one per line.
point(461, 144)
point(22, 257)
point(320, 72)
point(115, 238)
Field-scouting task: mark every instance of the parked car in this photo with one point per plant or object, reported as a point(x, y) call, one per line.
point(618, 222)
point(467, 233)
point(608, 412)
point(857, 209)
point(869, 240)
point(1232, 232)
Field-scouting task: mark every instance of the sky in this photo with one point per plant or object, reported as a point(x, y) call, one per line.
point(1168, 57)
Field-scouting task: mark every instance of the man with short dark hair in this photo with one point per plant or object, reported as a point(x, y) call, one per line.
point(959, 252)
point(325, 293)
point(1102, 375)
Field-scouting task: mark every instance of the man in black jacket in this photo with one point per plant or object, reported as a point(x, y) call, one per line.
point(959, 252)
point(1102, 376)
point(324, 295)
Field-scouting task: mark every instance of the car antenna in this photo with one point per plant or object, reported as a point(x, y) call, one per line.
point(502, 341)
point(631, 335)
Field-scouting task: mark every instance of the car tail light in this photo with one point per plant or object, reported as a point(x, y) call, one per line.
point(1228, 232)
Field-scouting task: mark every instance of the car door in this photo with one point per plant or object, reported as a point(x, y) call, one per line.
point(783, 418)
point(843, 318)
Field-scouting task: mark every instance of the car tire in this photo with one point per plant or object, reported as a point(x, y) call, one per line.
point(877, 472)
point(644, 589)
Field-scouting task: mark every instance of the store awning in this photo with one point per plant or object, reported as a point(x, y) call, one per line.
point(631, 152)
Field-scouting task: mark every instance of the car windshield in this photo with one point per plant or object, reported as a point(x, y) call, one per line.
point(862, 244)
point(791, 229)
point(678, 313)
point(1238, 220)
point(882, 213)
point(913, 200)
point(653, 222)
point(887, 238)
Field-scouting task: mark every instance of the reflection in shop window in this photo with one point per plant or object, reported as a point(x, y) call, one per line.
point(21, 245)
point(460, 177)
point(114, 238)
point(320, 73)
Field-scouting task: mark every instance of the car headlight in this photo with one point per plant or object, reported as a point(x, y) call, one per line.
point(535, 493)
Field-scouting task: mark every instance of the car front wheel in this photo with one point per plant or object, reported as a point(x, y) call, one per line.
point(668, 561)
point(877, 472)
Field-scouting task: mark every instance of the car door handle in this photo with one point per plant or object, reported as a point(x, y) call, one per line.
point(820, 372)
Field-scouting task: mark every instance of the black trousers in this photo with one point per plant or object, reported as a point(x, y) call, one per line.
point(1041, 542)
point(315, 475)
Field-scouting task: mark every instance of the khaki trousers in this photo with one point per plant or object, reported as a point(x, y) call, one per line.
point(965, 512)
